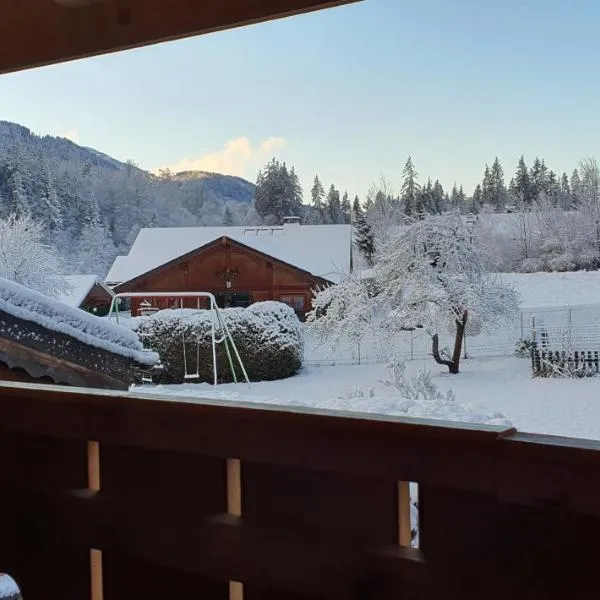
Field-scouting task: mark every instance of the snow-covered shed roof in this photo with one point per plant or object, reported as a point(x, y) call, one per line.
point(79, 286)
point(322, 250)
point(38, 332)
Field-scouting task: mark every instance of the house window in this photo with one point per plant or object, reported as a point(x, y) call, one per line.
point(296, 301)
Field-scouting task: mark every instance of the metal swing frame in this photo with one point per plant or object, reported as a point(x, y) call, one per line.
point(217, 321)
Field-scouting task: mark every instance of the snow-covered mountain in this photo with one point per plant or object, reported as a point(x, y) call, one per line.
point(86, 198)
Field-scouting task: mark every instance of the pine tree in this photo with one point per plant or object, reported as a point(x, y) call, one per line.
point(410, 188)
point(566, 198)
point(454, 200)
point(477, 200)
point(540, 180)
point(334, 206)
point(363, 235)
point(317, 193)
point(426, 202)
point(346, 209)
point(91, 212)
point(278, 192)
point(439, 198)
point(498, 199)
point(18, 198)
point(227, 217)
point(521, 187)
point(487, 188)
point(576, 188)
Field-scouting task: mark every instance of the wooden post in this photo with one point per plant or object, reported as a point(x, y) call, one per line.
point(234, 507)
point(94, 484)
point(404, 528)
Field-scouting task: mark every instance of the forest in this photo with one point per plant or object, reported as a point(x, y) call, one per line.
point(90, 206)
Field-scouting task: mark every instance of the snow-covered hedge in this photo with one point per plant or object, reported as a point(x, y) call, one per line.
point(267, 336)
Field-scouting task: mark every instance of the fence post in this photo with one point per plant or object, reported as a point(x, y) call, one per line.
point(412, 349)
point(522, 328)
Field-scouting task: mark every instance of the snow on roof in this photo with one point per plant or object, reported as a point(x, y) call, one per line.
point(79, 287)
point(322, 250)
point(29, 305)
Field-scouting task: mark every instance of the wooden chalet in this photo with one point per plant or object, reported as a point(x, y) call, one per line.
point(240, 265)
point(89, 293)
point(45, 341)
point(108, 496)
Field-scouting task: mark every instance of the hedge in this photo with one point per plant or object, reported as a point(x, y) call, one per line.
point(267, 335)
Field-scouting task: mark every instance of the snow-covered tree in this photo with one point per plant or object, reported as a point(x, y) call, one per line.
point(363, 235)
point(333, 205)
point(498, 189)
point(227, 217)
point(429, 276)
point(521, 184)
point(410, 187)
point(317, 194)
point(346, 209)
point(25, 259)
point(343, 311)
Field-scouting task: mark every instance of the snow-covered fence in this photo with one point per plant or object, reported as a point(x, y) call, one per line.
point(581, 323)
point(409, 345)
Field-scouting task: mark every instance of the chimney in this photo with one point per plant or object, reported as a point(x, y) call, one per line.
point(291, 222)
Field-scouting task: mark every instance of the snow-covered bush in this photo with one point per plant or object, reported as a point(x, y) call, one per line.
point(523, 348)
point(267, 335)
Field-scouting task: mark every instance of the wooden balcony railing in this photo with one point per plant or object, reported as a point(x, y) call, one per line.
point(216, 501)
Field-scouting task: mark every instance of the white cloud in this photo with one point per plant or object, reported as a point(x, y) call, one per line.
point(59, 130)
point(237, 157)
point(70, 134)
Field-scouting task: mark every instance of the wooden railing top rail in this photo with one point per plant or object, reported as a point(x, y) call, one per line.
point(481, 458)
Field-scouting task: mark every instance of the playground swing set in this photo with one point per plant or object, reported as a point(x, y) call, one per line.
point(220, 334)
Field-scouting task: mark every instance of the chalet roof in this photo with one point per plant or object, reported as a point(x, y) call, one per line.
point(322, 250)
point(41, 32)
point(48, 338)
point(79, 288)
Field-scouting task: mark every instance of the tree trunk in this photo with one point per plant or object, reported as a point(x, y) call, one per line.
point(454, 363)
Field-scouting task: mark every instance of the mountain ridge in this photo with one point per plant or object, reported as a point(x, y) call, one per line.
point(84, 197)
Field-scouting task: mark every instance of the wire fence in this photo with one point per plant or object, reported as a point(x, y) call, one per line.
point(559, 327)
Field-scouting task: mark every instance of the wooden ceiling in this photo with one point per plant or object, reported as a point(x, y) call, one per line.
point(40, 32)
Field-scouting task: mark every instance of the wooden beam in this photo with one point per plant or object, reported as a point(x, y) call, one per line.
point(41, 32)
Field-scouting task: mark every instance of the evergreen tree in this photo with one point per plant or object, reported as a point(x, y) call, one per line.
point(521, 184)
point(278, 192)
point(454, 198)
point(540, 179)
point(477, 200)
point(334, 206)
point(227, 217)
point(363, 235)
point(426, 202)
point(576, 187)
point(498, 198)
point(317, 193)
point(439, 198)
point(91, 212)
point(19, 202)
point(487, 188)
point(346, 208)
point(410, 188)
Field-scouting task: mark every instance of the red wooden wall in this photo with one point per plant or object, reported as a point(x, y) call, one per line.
point(263, 277)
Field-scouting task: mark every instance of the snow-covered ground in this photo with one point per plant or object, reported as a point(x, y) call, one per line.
point(569, 407)
point(8, 587)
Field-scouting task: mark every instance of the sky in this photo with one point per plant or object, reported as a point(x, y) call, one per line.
point(347, 93)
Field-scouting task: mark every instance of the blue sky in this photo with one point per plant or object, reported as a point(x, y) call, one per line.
point(347, 93)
